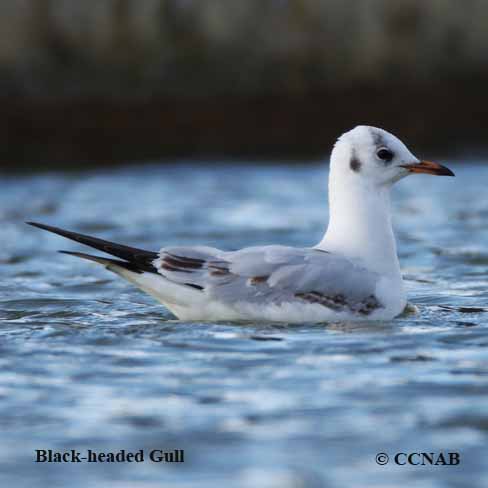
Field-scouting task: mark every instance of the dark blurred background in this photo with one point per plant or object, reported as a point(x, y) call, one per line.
point(104, 81)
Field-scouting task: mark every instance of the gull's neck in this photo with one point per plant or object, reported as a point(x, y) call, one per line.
point(360, 224)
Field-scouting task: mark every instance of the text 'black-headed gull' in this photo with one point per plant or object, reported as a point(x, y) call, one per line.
point(352, 274)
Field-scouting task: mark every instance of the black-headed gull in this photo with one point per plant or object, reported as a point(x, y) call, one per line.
point(352, 274)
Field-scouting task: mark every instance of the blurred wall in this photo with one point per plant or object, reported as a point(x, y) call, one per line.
point(111, 80)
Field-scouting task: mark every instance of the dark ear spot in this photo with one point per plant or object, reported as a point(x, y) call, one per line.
point(354, 163)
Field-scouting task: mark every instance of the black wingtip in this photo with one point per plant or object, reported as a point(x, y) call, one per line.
point(71, 253)
point(105, 261)
point(49, 228)
point(138, 258)
point(90, 257)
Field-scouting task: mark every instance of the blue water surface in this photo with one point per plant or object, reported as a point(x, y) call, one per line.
point(89, 362)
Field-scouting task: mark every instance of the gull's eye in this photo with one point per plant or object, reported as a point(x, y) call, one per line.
point(384, 154)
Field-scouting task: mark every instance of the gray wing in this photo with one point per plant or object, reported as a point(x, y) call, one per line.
point(272, 274)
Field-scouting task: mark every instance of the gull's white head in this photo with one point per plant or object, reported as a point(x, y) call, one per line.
point(373, 156)
point(364, 164)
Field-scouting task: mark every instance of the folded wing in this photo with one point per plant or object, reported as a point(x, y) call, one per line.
point(273, 274)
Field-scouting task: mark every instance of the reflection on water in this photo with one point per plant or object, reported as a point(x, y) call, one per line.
point(87, 361)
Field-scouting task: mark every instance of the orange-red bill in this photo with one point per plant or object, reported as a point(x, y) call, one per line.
point(429, 168)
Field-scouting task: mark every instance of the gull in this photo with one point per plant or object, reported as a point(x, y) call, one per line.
point(352, 274)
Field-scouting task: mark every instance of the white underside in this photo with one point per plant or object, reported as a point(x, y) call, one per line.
point(190, 304)
point(292, 313)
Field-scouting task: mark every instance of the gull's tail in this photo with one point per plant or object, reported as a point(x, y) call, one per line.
point(136, 266)
point(131, 258)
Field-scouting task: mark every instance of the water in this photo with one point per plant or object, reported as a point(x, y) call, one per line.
point(88, 362)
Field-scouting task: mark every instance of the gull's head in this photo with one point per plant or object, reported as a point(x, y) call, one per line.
point(373, 156)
